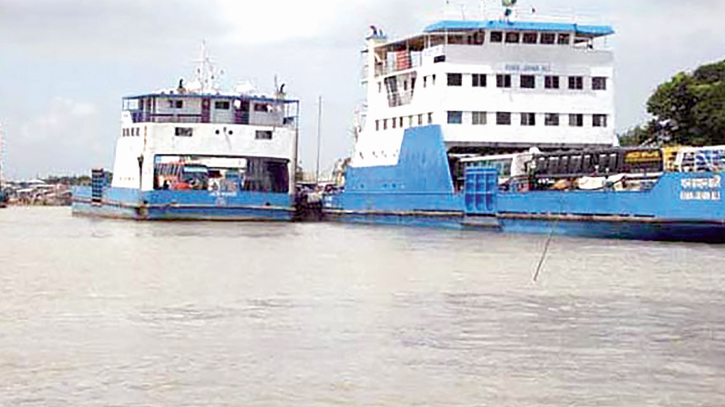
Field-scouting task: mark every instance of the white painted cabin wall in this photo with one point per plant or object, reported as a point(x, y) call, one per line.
point(382, 147)
point(232, 140)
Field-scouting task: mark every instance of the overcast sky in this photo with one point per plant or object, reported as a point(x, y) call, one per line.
point(65, 64)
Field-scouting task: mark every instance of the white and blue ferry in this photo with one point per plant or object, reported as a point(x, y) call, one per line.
point(509, 124)
point(198, 153)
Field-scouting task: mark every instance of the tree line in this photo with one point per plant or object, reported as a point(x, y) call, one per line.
point(689, 109)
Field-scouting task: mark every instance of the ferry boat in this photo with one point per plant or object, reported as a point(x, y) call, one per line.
point(197, 153)
point(509, 124)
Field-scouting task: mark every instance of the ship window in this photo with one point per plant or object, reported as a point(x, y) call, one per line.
point(183, 131)
point(599, 83)
point(263, 135)
point(394, 121)
point(131, 104)
point(551, 82)
point(528, 119)
point(455, 79)
point(479, 118)
point(551, 119)
point(385, 124)
point(576, 120)
point(478, 38)
point(479, 80)
point(439, 58)
point(548, 38)
point(564, 39)
point(599, 120)
point(410, 121)
point(528, 81)
point(380, 87)
point(496, 36)
point(179, 104)
point(530, 38)
point(221, 105)
point(512, 38)
point(455, 117)
point(420, 119)
point(400, 122)
point(430, 118)
point(425, 81)
point(433, 80)
point(503, 81)
point(503, 118)
point(377, 125)
point(260, 107)
point(576, 82)
point(455, 39)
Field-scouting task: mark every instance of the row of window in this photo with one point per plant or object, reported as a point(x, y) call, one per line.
point(479, 80)
point(478, 38)
point(132, 132)
point(527, 119)
point(220, 105)
point(189, 132)
point(481, 118)
point(400, 122)
point(526, 81)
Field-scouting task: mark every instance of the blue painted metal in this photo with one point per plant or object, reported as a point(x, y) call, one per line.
point(186, 205)
point(418, 191)
point(481, 191)
point(442, 221)
point(452, 25)
point(420, 181)
point(675, 196)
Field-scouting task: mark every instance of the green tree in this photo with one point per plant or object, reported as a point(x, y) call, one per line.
point(640, 135)
point(690, 108)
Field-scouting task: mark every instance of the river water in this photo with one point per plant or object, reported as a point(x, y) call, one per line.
point(119, 313)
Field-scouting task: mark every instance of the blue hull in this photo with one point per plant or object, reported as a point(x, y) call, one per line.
point(420, 219)
point(418, 191)
point(183, 205)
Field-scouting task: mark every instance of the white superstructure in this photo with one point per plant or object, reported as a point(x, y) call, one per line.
point(491, 85)
point(199, 125)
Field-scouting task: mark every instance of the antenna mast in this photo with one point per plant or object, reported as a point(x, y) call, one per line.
point(206, 73)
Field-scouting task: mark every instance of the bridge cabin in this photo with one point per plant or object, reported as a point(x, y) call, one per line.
point(194, 140)
point(492, 87)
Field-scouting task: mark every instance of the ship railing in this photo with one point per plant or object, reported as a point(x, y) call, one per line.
point(397, 65)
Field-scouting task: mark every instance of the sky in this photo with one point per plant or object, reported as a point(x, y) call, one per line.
point(66, 64)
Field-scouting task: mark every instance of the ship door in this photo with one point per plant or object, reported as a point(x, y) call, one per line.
point(241, 111)
point(205, 110)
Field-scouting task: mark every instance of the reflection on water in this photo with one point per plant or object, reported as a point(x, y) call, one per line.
point(102, 312)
